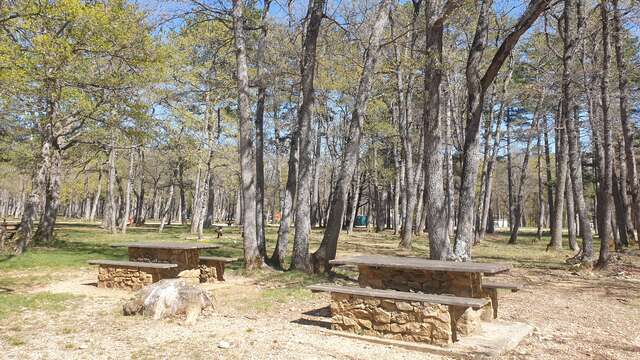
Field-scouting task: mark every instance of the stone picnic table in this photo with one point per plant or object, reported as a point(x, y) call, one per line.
point(429, 276)
point(185, 255)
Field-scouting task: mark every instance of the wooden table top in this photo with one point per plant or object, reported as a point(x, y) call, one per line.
point(421, 264)
point(167, 245)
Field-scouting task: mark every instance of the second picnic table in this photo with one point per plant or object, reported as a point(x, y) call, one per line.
point(185, 255)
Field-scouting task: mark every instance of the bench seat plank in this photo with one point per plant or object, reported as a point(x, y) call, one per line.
point(139, 264)
point(401, 295)
point(501, 285)
point(218, 258)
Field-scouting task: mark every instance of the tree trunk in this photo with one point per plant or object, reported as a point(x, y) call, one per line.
point(328, 246)
point(167, 207)
point(109, 216)
point(541, 205)
point(280, 252)
point(24, 236)
point(262, 95)
point(140, 209)
point(356, 200)
point(252, 257)
point(548, 179)
point(571, 217)
point(44, 233)
point(128, 195)
point(300, 257)
point(437, 207)
point(315, 191)
point(607, 181)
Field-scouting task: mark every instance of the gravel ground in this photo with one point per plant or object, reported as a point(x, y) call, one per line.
point(576, 316)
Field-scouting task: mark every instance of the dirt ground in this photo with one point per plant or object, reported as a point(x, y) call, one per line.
point(580, 315)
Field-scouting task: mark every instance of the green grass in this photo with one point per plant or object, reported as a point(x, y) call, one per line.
point(12, 302)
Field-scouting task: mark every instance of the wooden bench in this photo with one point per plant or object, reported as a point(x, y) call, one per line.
point(216, 262)
point(434, 319)
point(129, 275)
point(492, 287)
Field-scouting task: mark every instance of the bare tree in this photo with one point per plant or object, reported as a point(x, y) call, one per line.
point(328, 246)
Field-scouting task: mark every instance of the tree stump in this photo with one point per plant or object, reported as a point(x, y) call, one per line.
point(169, 297)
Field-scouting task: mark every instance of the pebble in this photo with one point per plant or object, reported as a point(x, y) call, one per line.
point(224, 344)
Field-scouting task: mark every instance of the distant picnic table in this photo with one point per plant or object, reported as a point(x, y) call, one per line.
point(152, 261)
point(185, 255)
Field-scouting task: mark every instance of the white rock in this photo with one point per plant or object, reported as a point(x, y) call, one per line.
point(224, 344)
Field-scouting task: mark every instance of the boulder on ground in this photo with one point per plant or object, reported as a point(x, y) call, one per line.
point(169, 297)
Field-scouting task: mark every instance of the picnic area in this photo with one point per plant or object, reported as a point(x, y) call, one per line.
point(53, 292)
point(315, 179)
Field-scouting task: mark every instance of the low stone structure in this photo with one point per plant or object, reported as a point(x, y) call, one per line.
point(129, 275)
point(128, 278)
point(212, 267)
point(400, 320)
point(207, 273)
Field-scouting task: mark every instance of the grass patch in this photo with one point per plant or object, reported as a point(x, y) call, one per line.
point(14, 303)
point(15, 341)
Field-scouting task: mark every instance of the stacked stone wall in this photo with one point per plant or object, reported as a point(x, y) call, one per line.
point(400, 320)
point(127, 278)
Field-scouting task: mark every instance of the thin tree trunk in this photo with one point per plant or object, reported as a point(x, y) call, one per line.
point(607, 181)
point(356, 200)
point(280, 252)
point(541, 205)
point(140, 209)
point(262, 95)
point(127, 205)
point(167, 207)
point(96, 198)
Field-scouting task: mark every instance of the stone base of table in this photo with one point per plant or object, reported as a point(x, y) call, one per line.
point(400, 320)
point(208, 273)
point(127, 278)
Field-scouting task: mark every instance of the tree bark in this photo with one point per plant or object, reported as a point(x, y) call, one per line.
point(437, 207)
point(252, 257)
point(167, 207)
point(300, 257)
point(607, 181)
point(24, 236)
point(127, 200)
point(280, 251)
point(140, 209)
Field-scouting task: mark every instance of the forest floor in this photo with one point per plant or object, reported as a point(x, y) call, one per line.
point(50, 309)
